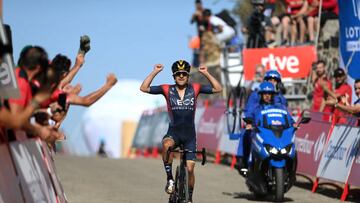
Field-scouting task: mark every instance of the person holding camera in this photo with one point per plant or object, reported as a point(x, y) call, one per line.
point(220, 28)
point(255, 27)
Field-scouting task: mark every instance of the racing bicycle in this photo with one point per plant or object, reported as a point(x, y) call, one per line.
point(181, 194)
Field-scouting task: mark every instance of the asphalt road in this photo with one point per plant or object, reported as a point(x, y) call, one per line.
point(101, 180)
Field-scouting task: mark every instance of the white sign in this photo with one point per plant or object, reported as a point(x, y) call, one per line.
point(337, 159)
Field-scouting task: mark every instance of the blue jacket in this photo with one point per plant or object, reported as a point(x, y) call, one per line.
point(270, 114)
point(254, 100)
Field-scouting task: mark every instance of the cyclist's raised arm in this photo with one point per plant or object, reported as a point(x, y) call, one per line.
point(214, 83)
point(145, 86)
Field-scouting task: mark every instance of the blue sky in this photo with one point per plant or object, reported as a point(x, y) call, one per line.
point(127, 36)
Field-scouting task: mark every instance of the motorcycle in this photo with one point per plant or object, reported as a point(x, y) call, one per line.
point(272, 162)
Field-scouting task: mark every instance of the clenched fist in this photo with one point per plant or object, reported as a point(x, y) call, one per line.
point(203, 69)
point(111, 79)
point(158, 67)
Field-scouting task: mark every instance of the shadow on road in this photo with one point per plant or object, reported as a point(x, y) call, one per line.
point(329, 189)
point(250, 197)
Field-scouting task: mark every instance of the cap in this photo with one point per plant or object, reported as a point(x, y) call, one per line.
point(339, 72)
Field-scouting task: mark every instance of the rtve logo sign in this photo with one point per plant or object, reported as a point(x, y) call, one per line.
point(280, 63)
point(291, 62)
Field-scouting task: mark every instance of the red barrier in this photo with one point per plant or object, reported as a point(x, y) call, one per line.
point(309, 146)
point(9, 184)
point(209, 132)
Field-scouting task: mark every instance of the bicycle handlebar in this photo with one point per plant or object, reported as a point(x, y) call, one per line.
point(202, 152)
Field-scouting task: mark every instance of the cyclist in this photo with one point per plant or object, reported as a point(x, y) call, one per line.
point(181, 101)
point(253, 101)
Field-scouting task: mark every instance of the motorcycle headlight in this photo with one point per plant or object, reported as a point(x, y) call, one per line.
point(283, 151)
point(286, 150)
point(271, 150)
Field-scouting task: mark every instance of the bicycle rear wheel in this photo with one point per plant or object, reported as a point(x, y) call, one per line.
point(231, 111)
point(234, 109)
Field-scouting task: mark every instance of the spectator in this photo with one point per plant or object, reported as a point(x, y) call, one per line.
point(342, 94)
point(101, 151)
point(70, 94)
point(312, 19)
point(254, 84)
point(197, 17)
point(33, 61)
point(293, 18)
point(255, 26)
point(319, 95)
point(330, 11)
point(352, 109)
point(223, 31)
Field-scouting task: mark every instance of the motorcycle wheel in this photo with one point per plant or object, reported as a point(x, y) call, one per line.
point(279, 184)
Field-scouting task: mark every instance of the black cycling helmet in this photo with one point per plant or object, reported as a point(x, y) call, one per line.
point(180, 66)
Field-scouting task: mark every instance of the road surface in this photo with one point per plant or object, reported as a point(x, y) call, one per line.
point(101, 180)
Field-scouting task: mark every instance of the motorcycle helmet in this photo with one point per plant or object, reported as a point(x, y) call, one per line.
point(267, 87)
point(272, 74)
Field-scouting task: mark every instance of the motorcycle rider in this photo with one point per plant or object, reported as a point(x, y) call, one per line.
point(254, 99)
point(268, 99)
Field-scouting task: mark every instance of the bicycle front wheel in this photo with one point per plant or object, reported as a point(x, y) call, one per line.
point(183, 184)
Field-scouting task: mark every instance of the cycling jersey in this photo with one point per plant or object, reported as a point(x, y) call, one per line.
point(182, 113)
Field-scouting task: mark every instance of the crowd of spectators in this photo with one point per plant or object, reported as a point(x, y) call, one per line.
point(332, 94)
point(297, 21)
point(46, 93)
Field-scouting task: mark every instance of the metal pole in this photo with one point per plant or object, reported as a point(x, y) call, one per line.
point(318, 24)
point(1, 9)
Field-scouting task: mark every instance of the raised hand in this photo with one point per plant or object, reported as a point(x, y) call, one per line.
point(79, 60)
point(158, 67)
point(111, 79)
point(203, 69)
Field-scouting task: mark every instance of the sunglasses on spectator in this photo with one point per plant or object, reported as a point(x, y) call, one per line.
point(178, 74)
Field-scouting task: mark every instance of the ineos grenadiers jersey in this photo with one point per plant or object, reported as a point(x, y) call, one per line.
point(181, 112)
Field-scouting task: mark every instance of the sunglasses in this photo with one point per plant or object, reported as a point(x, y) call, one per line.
point(179, 74)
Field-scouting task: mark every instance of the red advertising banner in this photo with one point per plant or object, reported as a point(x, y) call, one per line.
point(209, 130)
point(310, 142)
point(9, 183)
point(291, 62)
